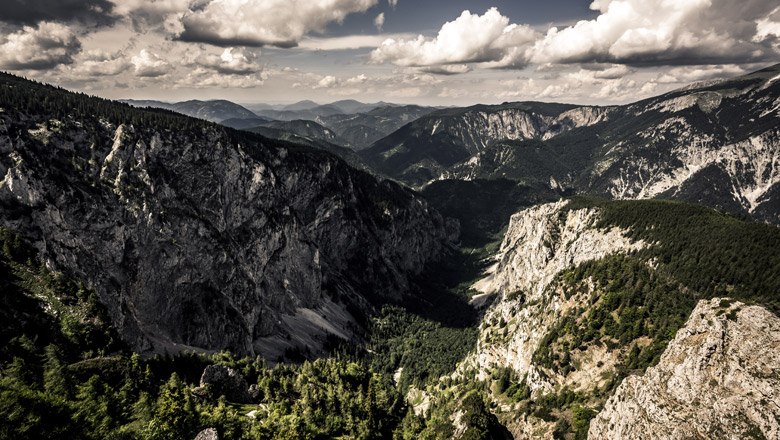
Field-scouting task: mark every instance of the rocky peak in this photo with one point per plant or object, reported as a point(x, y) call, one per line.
point(539, 243)
point(718, 378)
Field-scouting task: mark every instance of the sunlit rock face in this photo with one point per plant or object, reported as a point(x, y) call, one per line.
point(718, 378)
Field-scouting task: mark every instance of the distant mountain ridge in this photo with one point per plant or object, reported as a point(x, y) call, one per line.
point(717, 144)
point(213, 110)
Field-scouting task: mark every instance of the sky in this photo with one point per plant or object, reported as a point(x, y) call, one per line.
point(427, 52)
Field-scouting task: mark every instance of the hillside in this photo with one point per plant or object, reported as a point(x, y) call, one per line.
point(715, 144)
point(259, 246)
point(214, 111)
point(587, 295)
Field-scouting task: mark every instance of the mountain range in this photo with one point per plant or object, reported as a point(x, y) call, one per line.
point(523, 270)
point(681, 145)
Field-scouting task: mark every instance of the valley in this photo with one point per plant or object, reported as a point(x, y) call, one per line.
point(524, 270)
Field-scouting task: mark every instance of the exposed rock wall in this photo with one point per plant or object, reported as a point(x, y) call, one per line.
point(718, 378)
point(539, 243)
point(211, 239)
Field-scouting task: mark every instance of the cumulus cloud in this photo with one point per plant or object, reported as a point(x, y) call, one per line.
point(470, 38)
point(627, 32)
point(689, 74)
point(392, 3)
point(660, 32)
point(231, 61)
point(44, 46)
point(379, 21)
point(101, 63)
point(153, 13)
point(30, 12)
point(768, 27)
point(279, 23)
point(149, 65)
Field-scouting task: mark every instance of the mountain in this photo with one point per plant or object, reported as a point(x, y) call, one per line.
point(714, 144)
point(423, 149)
point(628, 314)
point(196, 236)
point(214, 111)
point(243, 123)
point(311, 113)
point(351, 106)
point(303, 128)
point(319, 140)
point(363, 129)
point(301, 105)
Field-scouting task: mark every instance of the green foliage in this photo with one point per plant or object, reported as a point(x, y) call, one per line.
point(31, 97)
point(424, 349)
point(711, 253)
point(174, 415)
point(479, 422)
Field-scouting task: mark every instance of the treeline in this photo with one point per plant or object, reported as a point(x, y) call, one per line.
point(710, 253)
point(65, 374)
point(31, 97)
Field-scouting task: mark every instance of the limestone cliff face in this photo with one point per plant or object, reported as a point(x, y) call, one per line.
point(539, 243)
point(208, 238)
point(718, 378)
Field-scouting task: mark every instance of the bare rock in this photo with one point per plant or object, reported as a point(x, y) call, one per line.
point(718, 378)
point(207, 434)
point(220, 380)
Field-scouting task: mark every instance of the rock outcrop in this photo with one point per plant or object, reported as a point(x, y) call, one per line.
point(208, 434)
point(539, 243)
point(718, 378)
point(219, 380)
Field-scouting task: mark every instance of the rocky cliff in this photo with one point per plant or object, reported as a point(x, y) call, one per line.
point(580, 305)
point(427, 147)
point(197, 236)
point(718, 378)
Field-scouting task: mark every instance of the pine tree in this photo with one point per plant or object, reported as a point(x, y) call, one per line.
point(174, 413)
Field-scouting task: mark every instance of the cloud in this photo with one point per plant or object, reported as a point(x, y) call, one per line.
point(205, 78)
point(768, 27)
point(660, 32)
point(280, 23)
point(346, 42)
point(231, 61)
point(470, 38)
point(101, 63)
point(379, 21)
point(145, 14)
point(626, 32)
point(392, 3)
point(44, 46)
point(149, 65)
point(30, 12)
point(689, 74)
point(447, 69)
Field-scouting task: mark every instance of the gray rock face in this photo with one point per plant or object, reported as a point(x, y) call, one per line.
point(718, 378)
point(200, 237)
point(225, 381)
point(207, 434)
